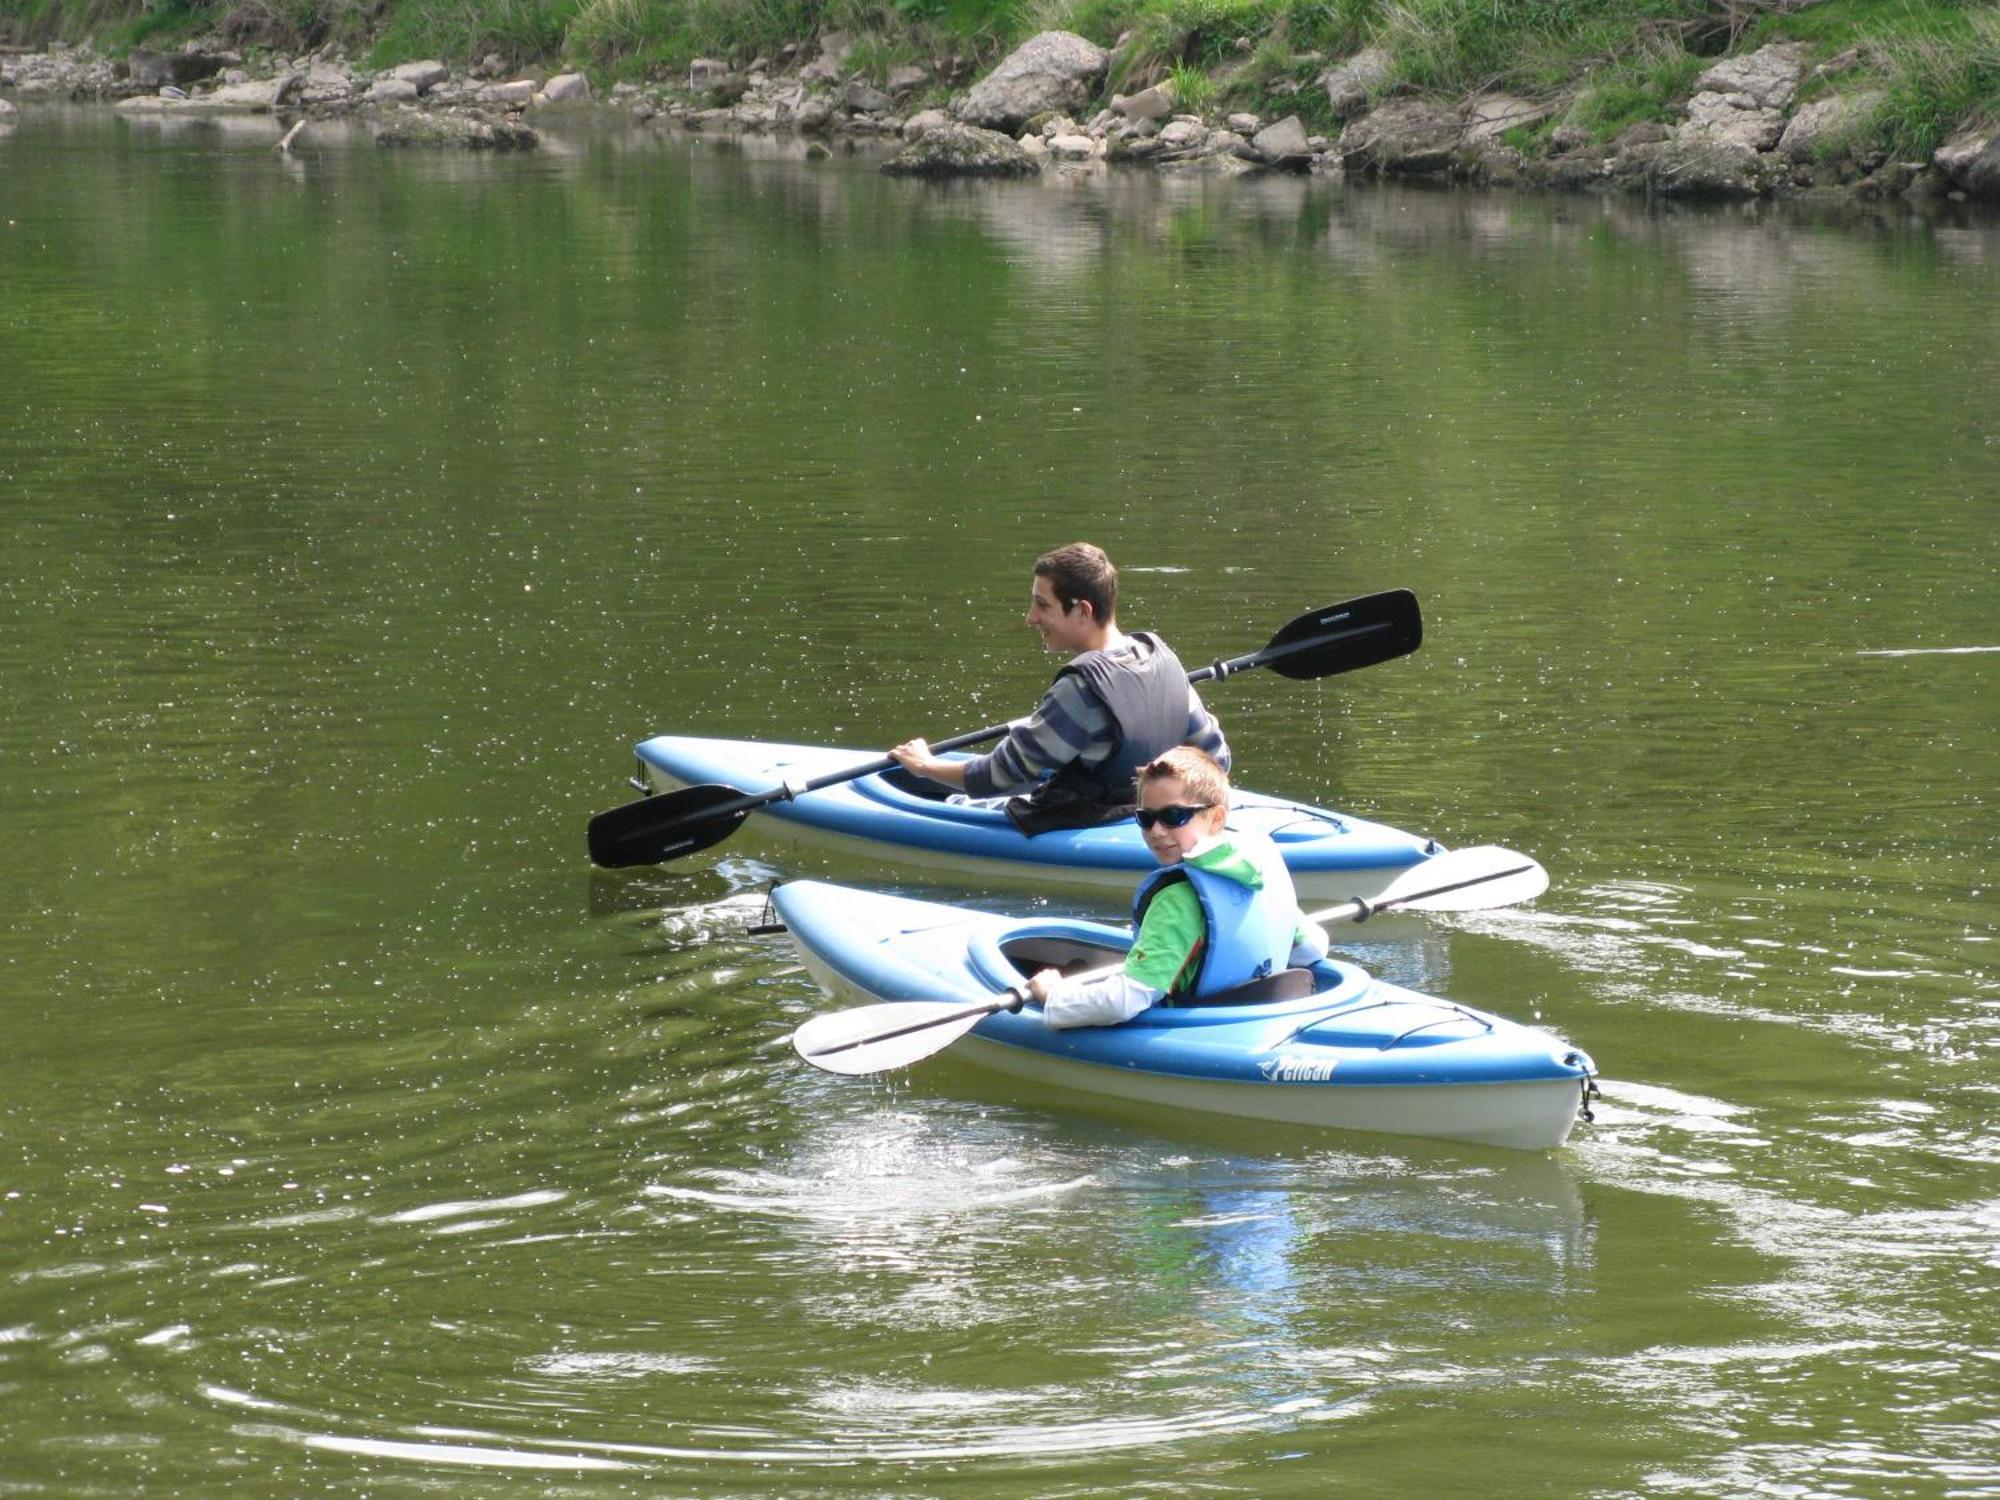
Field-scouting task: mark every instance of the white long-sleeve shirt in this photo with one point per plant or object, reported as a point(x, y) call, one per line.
point(1118, 997)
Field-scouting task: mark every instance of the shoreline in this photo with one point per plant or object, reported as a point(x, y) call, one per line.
point(1746, 138)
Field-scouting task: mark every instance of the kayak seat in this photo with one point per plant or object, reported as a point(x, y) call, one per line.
point(1285, 984)
point(916, 786)
point(1065, 955)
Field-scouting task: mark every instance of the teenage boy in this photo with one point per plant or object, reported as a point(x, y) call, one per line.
point(1219, 912)
point(1120, 701)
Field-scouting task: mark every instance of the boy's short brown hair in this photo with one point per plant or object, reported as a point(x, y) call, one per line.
point(1200, 774)
point(1081, 571)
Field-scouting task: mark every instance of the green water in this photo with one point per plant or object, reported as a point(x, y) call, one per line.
point(358, 511)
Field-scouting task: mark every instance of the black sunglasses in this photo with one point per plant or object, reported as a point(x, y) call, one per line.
point(1174, 817)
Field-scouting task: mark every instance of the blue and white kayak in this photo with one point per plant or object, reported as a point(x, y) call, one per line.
point(1351, 1052)
point(1331, 855)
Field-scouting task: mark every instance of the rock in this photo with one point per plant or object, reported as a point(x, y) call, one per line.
point(1072, 147)
point(7, 112)
point(565, 88)
point(1770, 75)
point(1705, 166)
point(1733, 119)
point(832, 60)
point(705, 73)
point(1245, 124)
point(1640, 133)
point(1823, 126)
point(256, 98)
point(1568, 173)
point(907, 79)
point(325, 84)
point(452, 128)
point(1569, 137)
point(865, 99)
point(152, 70)
point(516, 94)
point(389, 89)
point(1971, 163)
point(491, 66)
point(1351, 86)
point(1205, 164)
point(924, 122)
point(1282, 144)
point(1491, 116)
point(1056, 70)
point(786, 98)
point(1183, 135)
point(425, 75)
point(1405, 137)
point(815, 114)
point(958, 150)
point(1155, 103)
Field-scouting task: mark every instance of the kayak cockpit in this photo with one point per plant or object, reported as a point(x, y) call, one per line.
point(1002, 958)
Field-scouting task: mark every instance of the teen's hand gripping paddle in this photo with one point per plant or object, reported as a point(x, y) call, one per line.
point(876, 1038)
point(1319, 643)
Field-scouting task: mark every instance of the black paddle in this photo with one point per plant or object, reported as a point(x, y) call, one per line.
point(896, 1033)
point(1319, 643)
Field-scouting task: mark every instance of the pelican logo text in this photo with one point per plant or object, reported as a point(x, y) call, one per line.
point(1293, 1069)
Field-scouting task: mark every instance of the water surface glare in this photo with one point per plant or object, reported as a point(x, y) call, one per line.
point(359, 510)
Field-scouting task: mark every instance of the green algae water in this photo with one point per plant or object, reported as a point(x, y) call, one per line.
point(358, 511)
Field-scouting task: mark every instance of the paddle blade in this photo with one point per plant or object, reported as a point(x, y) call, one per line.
point(666, 826)
point(876, 1038)
point(1341, 637)
point(1476, 879)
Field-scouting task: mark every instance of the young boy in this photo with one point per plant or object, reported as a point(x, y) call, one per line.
point(1220, 912)
point(1120, 700)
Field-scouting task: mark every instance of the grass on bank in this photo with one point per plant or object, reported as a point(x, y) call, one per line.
point(1607, 63)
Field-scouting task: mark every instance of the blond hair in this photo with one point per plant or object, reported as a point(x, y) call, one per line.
point(1199, 773)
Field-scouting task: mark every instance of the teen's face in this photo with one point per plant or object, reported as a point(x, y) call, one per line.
point(1170, 845)
point(1060, 631)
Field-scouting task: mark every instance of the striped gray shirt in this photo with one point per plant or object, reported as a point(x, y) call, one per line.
point(1071, 724)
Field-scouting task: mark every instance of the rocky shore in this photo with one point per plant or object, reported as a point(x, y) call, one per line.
point(1745, 133)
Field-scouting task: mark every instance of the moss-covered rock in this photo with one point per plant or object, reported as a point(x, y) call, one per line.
point(465, 130)
point(962, 151)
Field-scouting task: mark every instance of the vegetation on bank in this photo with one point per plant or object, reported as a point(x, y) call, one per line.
point(1608, 63)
